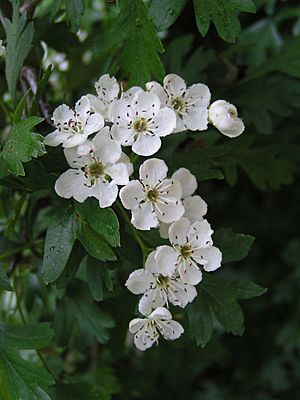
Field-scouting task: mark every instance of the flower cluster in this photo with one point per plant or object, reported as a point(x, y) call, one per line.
point(96, 135)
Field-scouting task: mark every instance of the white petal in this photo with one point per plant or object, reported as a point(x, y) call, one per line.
point(178, 231)
point(132, 194)
point(107, 87)
point(174, 85)
point(183, 293)
point(72, 183)
point(146, 145)
point(150, 300)
point(233, 128)
point(164, 122)
point(196, 118)
point(118, 173)
point(187, 180)
point(75, 139)
point(195, 208)
point(170, 330)
point(76, 160)
point(62, 114)
point(120, 111)
point(150, 264)
point(97, 104)
point(189, 272)
point(169, 212)
point(164, 230)
point(139, 281)
point(199, 234)
point(153, 171)
point(198, 94)
point(165, 260)
point(105, 192)
point(161, 313)
point(145, 338)
point(55, 138)
point(145, 103)
point(83, 109)
point(107, 150)
point(130, 93)
point(210, 258)
point(136, 324)
point(156, 88)
point(143, 218)
point(94, 123)
point(180, 127)
point(123, 135)
point(124, 159)
point(170, 191)
point(84, 149)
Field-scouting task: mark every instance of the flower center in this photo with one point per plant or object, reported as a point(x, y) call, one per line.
point(186, 251)
point(162, 281)
point(232, 113)
point(75, 126)
point(95, 170)
point(152, 195)
point(178, 104)
point(140, 125)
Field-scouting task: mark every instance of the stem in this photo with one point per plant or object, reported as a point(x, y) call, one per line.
point(23, 318)
point(135, 235)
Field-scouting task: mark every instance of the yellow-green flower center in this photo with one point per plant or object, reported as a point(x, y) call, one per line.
point(186, 251)
point(75, 126)
point(177, 104)
point(140, 125)
point(95, 170)
point(152, 195)
point(162, 281)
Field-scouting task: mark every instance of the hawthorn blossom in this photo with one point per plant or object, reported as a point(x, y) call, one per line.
point(224, 117)
point(159, 283)
point(140, 122)
point(2, 49)
point(107, 89)
point(189, 103)
point(146, 330)
point(153, 198)
point(194, 247)
point(96, 173)
point(74, 126)
point(194, 206)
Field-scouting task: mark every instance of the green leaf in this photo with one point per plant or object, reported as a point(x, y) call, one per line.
point(20, 379)
point(98, 277)
point(20, 108)
point(23, 145)
point(234, 246)
point(165, 13)
point(74, 11)
point(94, 243)
point(218, 297)
point(133, 36)
point(79, 321)
point(103, 220)
point(4, 281)
point(79, 391)
point(60, 238)
point(40, 90)
point(19, 39)
point(223, 14)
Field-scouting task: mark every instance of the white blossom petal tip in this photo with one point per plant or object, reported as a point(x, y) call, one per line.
point(224, 117)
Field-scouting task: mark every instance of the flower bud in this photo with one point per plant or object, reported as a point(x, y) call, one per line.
point(224, 117)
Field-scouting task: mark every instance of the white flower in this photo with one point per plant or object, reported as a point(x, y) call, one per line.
point(224, 117)
point(140, 122)
point(153, 198)
point(97, 173)
point(159, 283)
point(189, 103)
point(146, 330)
point(193, 244)
point(195, 207)
point(74, 126)
point(2, 49)
point(108, 90)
